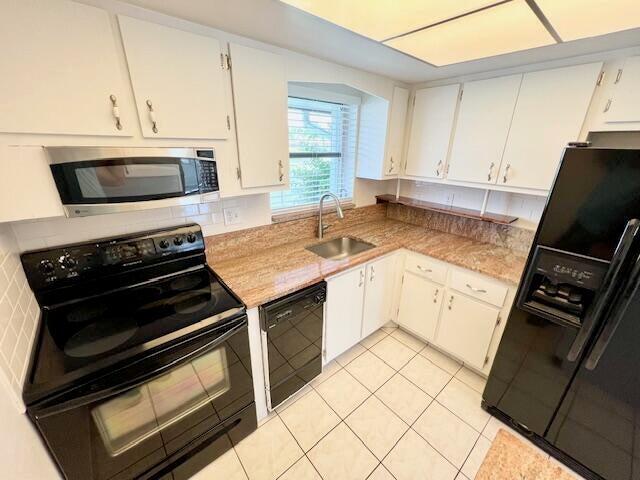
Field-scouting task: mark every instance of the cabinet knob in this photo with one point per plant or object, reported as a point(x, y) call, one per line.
point(115, 110)
point(152, 116)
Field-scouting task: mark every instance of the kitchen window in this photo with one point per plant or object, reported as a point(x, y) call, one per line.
point(322, 151)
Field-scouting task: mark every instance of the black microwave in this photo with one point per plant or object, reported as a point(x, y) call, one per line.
point(99, 180)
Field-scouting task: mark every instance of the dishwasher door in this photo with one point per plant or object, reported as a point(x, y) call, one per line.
point(292, 341)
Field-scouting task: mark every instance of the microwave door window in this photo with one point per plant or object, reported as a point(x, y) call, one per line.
point(129, 181)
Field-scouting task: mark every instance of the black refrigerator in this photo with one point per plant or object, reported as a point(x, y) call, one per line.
point(567, 371)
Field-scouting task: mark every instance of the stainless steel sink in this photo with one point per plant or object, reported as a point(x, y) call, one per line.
point(339, 248)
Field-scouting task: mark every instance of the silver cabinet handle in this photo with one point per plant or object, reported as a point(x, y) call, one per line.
point(152, 117)
point(116, 111)
point(372, 275)
point(490, 174)
point(424, 269)
point(607, 106)
point(361, 278)
point(506, 172)
point(435, 296)
point(280, 170)
point(438, 168)
point(477, 290)
point(450, 302)
point(391, 167)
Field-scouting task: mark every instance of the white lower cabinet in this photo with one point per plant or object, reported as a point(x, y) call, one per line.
point(343, 317)
point(420, 302)
point(466, 328)
point(359, 302)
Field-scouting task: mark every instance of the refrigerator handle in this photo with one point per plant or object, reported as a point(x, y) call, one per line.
point(625, 299)
point(607, 290)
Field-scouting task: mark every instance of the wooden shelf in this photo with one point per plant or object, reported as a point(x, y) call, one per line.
point(438, 207)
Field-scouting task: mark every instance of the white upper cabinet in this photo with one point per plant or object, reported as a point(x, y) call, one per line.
point(395, 138)
point(484, 117)
point(551, 108)
point(624, 106)
point(178, 81)
point(433, 116)
point(59, 69)
point(260, 100)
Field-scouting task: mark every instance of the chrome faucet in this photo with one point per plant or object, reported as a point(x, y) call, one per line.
point(321, 226)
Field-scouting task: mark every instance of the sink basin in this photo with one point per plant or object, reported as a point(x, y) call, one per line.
point(339, 248)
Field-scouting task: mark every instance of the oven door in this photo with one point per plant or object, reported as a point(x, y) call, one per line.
point(165, 416)
point(94, 181)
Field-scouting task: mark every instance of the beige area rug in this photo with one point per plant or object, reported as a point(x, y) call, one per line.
point(509, 458)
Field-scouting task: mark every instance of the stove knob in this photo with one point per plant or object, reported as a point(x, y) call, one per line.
point(178, 241)
point(164, 244)
point(47, 266)
point(68, 261)
point(191, 237)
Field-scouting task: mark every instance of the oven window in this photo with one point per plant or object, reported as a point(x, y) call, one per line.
point(130, 418)
point(113, 181)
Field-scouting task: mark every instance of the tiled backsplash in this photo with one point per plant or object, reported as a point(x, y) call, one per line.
point(19, 314)
point(252, 211)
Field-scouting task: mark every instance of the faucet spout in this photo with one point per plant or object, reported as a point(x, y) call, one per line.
point(321, 226)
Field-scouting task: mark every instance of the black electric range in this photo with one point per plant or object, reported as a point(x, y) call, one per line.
point(141, 367)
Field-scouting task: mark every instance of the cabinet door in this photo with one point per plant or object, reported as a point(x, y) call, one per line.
point(343, 321)
point(397, 120)
point(625, 104)
point(59, 68)
point(485, 114)
point(466, 327)
point(420, 302)
point(550, 111)
point(378, 297)
point(433, 114)
point(260, 101)
point(178, 81)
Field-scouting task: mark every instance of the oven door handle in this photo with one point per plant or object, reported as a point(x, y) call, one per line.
point(101, 390)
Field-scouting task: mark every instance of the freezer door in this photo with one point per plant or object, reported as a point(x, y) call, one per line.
point(598, 423)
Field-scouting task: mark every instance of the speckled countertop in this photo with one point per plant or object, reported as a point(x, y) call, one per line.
point(260, 273)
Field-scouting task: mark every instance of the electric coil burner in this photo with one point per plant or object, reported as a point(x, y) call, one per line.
point(141, 367)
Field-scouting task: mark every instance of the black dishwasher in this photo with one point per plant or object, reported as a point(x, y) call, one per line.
point(292, 341)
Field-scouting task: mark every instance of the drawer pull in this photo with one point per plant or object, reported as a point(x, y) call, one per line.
point(477, 290)
point(116, 111)
point(450, 302)
point(152, 117)
point(424, 269)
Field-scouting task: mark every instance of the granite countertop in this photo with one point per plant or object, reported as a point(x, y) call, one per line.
point(261, 273)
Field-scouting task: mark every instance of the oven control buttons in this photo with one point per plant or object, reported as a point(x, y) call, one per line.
point(164, 244)
point(178, 241)
point(191, 237)
point(47, 267)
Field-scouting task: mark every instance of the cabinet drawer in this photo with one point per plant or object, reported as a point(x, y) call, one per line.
point(427, 268)
point(479, 287)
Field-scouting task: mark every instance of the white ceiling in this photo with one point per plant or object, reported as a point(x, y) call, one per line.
point(274, 22)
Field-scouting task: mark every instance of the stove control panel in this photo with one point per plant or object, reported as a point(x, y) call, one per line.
point(72, 263)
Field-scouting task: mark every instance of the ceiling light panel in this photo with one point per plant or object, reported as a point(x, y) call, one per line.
point(574, 19)
point(382, 19)
point(505, 28)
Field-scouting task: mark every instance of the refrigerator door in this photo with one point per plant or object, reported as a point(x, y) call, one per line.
point(598, 422)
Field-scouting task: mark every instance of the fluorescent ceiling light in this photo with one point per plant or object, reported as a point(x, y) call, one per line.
point(574, 19)
point(506, 28)
point(382, 19)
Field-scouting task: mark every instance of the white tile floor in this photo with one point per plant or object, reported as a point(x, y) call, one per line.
point(389, 408)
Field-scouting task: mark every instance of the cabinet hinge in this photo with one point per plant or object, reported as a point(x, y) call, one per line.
point(618, 75)
point(446, 170)
point(228, 123)
point(486, 359)
point(600, 78)
point(238, 173)
point(414, 101)
point(499, 320)
point(402, 280)
point(461, 92)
